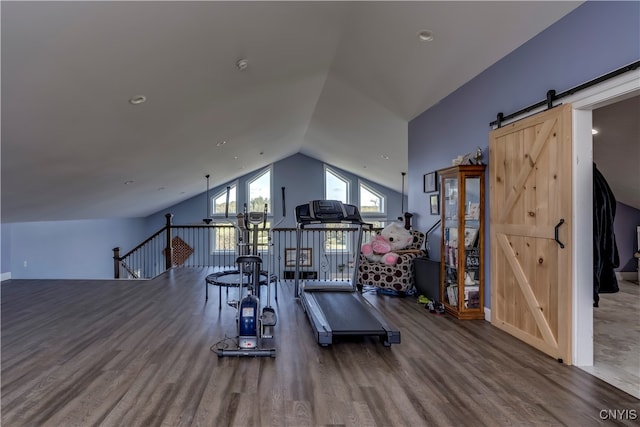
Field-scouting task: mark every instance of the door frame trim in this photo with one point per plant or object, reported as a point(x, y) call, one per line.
point(609, 92)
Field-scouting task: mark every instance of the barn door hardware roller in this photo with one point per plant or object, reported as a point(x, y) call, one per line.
point(553, 96)
point(555, 233)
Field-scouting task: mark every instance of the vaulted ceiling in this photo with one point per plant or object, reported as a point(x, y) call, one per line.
point(338, 81)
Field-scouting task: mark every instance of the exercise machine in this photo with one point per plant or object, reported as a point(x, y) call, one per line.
point(232, 278)
point(252, 325)
point(336, 308)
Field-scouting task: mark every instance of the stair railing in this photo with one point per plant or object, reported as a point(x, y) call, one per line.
point(329, 252)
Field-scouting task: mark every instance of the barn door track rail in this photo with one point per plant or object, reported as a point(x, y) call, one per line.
point(553, 96)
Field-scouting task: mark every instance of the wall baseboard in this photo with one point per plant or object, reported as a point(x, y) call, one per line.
point(627, 275)
point(487, 314)
point(5, 276)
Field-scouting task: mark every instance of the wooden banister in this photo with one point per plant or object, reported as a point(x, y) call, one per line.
point(116, 262)
point(168, 254)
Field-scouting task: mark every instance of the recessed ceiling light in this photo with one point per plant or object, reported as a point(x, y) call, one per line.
point(221, 143)
point(425, 35)
point(594, 131)
point(137, 100)
point(242, 64)
point(385, 157)
point(161, 188)
point(128, 182)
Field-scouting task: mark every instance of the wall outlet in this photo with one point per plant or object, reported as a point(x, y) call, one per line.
point(25, 263)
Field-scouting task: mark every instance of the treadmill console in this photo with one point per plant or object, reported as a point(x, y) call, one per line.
point(327, 211)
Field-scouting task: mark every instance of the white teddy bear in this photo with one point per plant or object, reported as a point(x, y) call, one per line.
point(393, 237)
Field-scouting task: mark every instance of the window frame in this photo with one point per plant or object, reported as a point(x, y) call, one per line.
point(328, 169)
point(257, 176)
point(380, 215)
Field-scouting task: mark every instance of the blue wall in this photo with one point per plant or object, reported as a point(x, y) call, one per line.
point(5, 249)
point(83, 249)
point(626, 221)
point(593, 40)
point(69, 249)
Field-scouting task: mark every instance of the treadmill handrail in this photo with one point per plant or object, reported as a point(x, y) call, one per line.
point(302, 224)
point(327, 211)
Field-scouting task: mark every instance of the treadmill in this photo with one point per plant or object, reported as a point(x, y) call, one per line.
point(336, 308)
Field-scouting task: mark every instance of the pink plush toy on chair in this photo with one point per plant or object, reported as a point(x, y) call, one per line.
point(381, 248)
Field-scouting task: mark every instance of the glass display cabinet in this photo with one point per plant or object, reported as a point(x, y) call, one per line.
point(462, 242)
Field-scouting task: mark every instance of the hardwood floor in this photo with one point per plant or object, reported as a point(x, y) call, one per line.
point(616, 338)
point(107, 353)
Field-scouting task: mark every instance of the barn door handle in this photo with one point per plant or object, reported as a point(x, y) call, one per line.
point(555, 233)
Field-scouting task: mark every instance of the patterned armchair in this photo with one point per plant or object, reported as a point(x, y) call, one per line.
point(399, 277)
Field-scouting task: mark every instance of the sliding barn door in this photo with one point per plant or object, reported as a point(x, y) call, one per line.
point(531, 241)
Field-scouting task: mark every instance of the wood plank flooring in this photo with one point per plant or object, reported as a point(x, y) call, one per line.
point(616, 338)
point(137, 353)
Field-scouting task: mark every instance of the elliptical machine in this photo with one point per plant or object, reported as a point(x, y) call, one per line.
point(252, 326)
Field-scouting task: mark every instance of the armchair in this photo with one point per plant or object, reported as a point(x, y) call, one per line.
point(398, 277)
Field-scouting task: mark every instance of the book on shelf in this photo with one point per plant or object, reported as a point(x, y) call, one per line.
point(468, 289)
point(471, 295)
point(451, 275)
point(472, 261)
point(473, 301)
point(452, 257)
point(452, 294)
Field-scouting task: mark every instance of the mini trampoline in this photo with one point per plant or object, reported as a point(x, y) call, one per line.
point(231, 278)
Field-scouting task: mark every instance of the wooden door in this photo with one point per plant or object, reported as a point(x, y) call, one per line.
point(530, 193)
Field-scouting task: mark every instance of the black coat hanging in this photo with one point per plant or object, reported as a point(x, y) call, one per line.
point(605, 250)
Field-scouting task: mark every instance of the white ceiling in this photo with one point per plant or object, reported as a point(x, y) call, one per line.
point(337, 81)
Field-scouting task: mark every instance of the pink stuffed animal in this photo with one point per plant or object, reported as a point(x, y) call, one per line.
point(382, 246)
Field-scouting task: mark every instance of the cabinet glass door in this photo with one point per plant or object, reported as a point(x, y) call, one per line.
point(450, 210)
point(461, 246)
point(471, 279)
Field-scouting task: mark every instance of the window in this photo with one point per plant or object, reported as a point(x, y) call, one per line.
point(263, 238)
point(224, 238)
point(259, 190)
point(337, 240)
point(336, 187)
point(259, 195)
point(372, 206)
point(372, 203)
